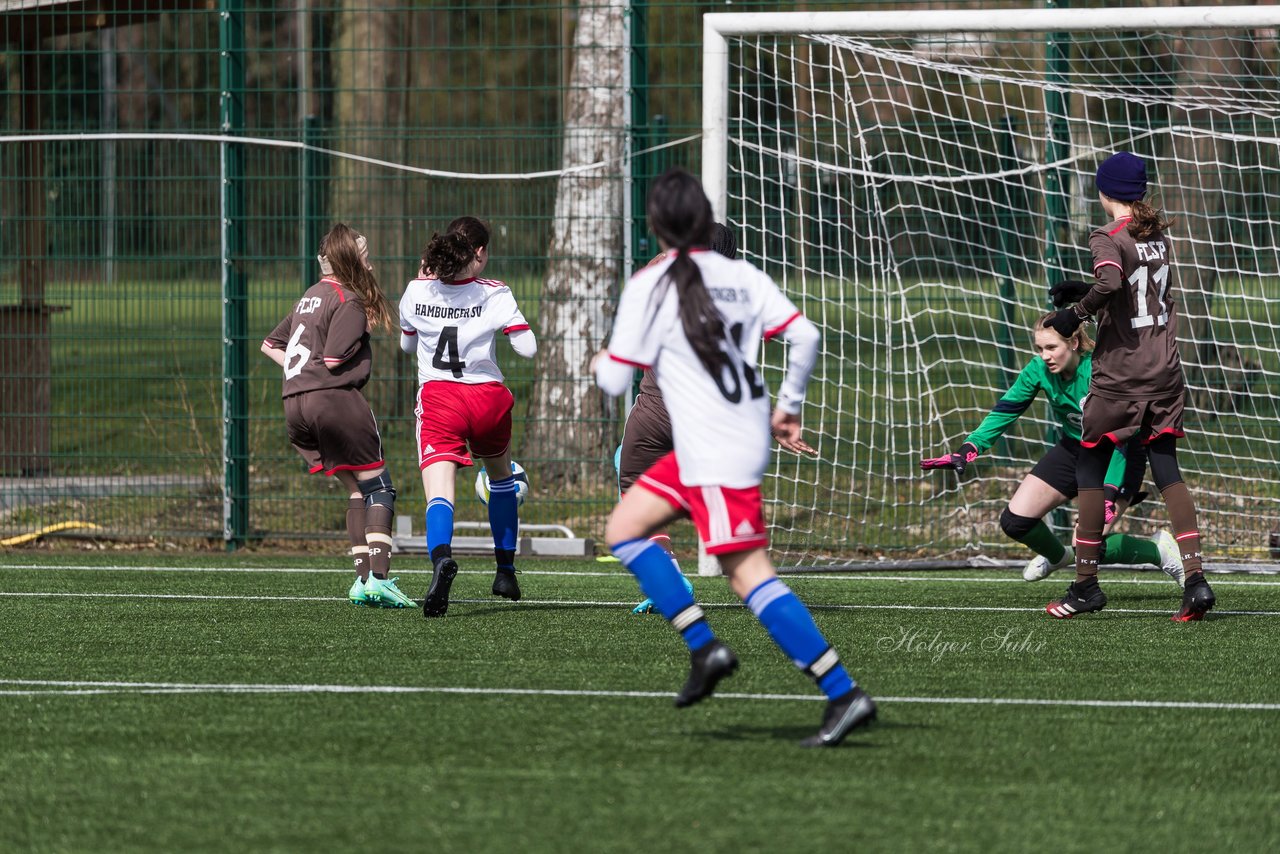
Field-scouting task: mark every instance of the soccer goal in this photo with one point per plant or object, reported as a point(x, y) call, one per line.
point(917, 180)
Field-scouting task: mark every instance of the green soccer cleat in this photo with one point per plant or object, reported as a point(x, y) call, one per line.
point(384, 593)
point(359, 594)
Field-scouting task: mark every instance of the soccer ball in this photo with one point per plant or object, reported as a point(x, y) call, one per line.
point(522, 484)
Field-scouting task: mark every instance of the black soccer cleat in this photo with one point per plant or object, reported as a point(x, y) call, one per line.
point(436, 603)
point(505, 584)
point(843, 715)
point(707, 666)
point(1197, 599)
point(1082, 597)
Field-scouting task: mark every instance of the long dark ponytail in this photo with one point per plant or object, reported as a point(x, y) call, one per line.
point(680, 214)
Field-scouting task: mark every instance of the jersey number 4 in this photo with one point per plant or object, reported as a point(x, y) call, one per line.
point(447, 357)
point(733, 393)
point(1141, 315)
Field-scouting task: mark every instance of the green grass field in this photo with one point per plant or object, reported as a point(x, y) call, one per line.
point(162, 702)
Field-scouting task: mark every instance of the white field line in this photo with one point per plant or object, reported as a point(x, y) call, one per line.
point(923, 578)
point(28, 687)
point(584, 603)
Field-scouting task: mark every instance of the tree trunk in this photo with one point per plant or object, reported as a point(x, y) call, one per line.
point(572, 432)
point(1195, 196)
point(370, 71)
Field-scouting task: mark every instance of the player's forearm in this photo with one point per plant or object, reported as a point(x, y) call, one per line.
point(613, 377)
point(524, 343)
point(802, 356)
point(1108, 282)
point(993, 426)
point(273, 354)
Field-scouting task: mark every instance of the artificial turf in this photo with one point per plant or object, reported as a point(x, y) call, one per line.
point(279, 717)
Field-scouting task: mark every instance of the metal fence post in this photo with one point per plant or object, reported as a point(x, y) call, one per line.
point(235, 305)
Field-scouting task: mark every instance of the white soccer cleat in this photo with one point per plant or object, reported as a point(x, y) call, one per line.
point(1170, 557)
point(1039, 568)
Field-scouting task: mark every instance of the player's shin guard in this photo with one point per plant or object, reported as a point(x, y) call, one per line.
point(379, 507)
point(1089, 533)
point(440, 528)
point(355, 532)
point(1186, 531)
point(791, 626)
point(663, 583)
point(504, 520)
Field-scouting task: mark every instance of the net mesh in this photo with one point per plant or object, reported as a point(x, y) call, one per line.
point(917, 194)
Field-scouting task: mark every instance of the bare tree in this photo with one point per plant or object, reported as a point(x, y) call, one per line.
point(370, 74)
point(586, 250)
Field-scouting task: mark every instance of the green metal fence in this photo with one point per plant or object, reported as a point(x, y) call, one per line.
point(170, 165)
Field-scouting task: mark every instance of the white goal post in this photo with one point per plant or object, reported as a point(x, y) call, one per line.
point(915, 180)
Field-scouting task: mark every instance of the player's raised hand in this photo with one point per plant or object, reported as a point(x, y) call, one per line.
point(1064, 322)
point(958, 461)
point(1067, 292)
point(786, 430)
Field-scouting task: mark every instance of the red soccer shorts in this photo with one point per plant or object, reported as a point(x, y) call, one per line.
point(728, 520)
point(452, 416)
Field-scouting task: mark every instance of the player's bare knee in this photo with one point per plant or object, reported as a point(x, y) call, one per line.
point(378, 490)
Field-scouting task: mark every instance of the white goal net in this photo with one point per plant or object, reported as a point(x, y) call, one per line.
point(916, 181)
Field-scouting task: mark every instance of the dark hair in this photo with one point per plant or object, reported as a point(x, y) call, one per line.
point(680, 214)
point(341, 248)
point(1147, 221)
point(723, 241)
point(448, 254)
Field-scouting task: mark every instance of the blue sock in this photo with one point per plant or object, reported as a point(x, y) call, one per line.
point(504, 520)
point(440, 527)
point(792, 628)
point(663, 583)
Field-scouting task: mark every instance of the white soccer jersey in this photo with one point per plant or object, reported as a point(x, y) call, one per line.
point(455, 324)
point(720, 425)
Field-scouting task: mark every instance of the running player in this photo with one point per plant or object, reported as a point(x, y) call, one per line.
point(450, 317)
point(1061, 370)
point(323, 347)
point(1138, 387)
point(646, 438)
point(697, 320)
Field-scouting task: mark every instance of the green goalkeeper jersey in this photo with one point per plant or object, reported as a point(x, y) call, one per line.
point(1065, 396)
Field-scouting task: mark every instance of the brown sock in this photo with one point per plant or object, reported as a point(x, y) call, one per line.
point(377, 532)
point(355, 531)
point(1182, 515)
point(1089, 532)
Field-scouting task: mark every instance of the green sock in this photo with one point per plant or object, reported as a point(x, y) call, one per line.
point(1123, 548)
point(1042, 541)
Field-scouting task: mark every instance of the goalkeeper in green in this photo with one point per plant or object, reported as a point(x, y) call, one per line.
point(1062, 370)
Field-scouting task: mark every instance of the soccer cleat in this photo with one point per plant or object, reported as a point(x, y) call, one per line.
point(1039, 567)
point(1082, 597)
point(1170, 557)
point(436, 602)
point(1197, 599)
point(646, 607)
point(707, 666)
point(843, 715)
point(358, 595)
point(505, 584)
point(384, 593)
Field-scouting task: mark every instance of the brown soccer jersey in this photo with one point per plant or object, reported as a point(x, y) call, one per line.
point(1136, 357)
point(325, 339)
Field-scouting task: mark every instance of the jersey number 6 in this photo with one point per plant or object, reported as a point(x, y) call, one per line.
point(448, 348)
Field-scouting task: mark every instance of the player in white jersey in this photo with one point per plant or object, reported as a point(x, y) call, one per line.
point(696, 321)
point(450, 317)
